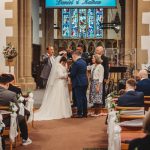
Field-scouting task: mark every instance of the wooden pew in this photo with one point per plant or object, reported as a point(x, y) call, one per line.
point(7, 130)
point(125, 117)
point(127, 136)
point(147, 102)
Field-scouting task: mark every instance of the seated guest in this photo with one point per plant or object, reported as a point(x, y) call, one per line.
point(6, 97)
point(142, 143)
point(131, 98)
point(144, 84)
point(17, 91)
point(12, 87)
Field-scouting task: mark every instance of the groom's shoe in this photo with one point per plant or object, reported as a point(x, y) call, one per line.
point(84, 116)
point(77, 116)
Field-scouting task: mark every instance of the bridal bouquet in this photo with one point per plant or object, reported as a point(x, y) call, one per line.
point(10, 51)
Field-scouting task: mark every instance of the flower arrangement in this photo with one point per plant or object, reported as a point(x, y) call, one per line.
point(13, 107)
point(10, 51)
point(110, 104)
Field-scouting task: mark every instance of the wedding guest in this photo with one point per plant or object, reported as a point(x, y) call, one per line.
point(69, 53)
point(12, 87)
point(47, 60)
point(84, 55)
point(18, 92)
point(144, 84)
point(105, 63)
point(6, 97)
point(131, 98)
point(96, 87)
point(142, 143)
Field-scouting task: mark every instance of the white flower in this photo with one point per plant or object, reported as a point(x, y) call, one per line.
point(1, 117)
point(21, 99)
point(31, 95)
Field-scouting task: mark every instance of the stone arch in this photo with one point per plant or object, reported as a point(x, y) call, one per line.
point(84, 43)
point(91, 47)
point(73, 45)
point(65, 45)
point(100, 43)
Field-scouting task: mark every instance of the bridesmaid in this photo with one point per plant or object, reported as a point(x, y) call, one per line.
point(96, 86)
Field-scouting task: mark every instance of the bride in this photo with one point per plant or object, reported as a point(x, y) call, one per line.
point(56, 101)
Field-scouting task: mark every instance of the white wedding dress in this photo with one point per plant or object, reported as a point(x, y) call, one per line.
point(56, 101)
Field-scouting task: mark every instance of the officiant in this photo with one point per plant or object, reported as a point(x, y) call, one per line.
point(47, 60)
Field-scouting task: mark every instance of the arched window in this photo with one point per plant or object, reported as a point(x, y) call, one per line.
point(82, 23)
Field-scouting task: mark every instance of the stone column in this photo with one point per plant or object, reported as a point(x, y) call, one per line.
point(130, 29)
point(49, 26)
point(42, 27)
point(21, 41)
point(122, 4)
point(25, 45)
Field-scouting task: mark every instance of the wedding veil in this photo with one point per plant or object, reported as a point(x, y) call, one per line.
point(52, 76)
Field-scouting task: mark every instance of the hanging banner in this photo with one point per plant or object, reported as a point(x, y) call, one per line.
point(80, 3)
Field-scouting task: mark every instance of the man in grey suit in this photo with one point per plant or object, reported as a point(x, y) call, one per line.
point(6, 97)
point(47, 60)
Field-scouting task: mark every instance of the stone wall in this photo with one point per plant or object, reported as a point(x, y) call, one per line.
point(5, 31)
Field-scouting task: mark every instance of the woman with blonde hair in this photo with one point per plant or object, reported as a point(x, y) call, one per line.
point(96, 86)
point(142, 143)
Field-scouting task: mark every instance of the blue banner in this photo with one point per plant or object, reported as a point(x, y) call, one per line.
point(80, 3)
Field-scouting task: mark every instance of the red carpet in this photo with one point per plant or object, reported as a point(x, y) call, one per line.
point(68, 134)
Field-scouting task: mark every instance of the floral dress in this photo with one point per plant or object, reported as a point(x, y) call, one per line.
point(95, 97)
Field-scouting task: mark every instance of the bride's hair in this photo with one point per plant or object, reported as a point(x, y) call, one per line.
point(63, 59)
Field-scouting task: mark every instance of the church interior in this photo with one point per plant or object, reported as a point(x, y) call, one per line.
point(29, 27)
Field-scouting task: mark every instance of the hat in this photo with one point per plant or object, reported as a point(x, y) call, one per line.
point(6, 78)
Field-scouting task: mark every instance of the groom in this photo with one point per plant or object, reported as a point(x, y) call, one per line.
point(79, 83)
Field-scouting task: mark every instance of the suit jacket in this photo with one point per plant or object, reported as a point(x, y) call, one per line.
point(131, 99)
point(47, 66)
point(85, 57)
point(78, 73)
point(106, 66)
point(144, 86)
point(7, 96)
point(14, 89)
point(140, 143)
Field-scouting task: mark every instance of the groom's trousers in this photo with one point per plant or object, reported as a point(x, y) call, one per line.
point(80, 94)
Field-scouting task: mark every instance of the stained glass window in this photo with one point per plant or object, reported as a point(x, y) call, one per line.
point(99, 20)
point(66, 23)
point(82, 23)
point(74, 23)
point(91, 23)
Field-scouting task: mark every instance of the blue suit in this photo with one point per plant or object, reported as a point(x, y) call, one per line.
point(131, 99)
point(144, 86)
point(79, 84)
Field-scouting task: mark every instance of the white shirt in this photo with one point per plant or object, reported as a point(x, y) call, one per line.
point(98, 73)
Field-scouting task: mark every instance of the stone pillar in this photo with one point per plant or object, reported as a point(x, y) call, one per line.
point(25, 45)
point(21, 41)
point(42, 26)
point(143, 32)
point(49, 26)
point(130, 29)
point(122, 46)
